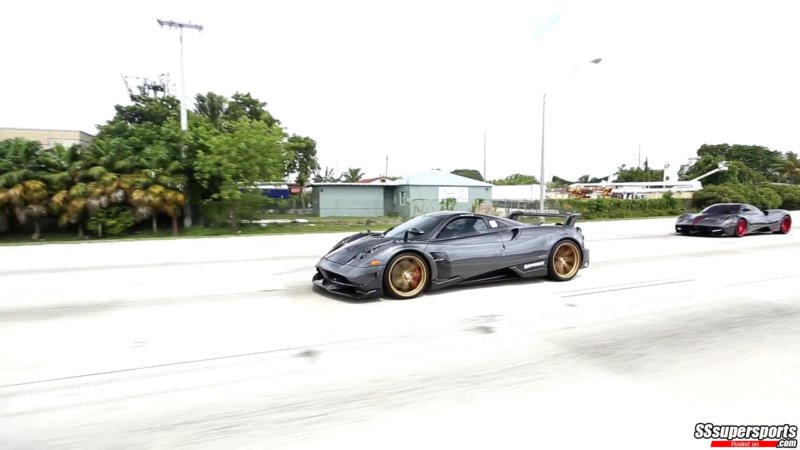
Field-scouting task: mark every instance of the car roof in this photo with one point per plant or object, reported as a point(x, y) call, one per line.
point(445, 214)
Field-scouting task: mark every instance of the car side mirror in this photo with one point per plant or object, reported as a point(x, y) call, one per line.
point(766, 213)
point(412, 230)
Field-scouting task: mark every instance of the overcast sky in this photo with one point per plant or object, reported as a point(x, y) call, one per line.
point(421, 81)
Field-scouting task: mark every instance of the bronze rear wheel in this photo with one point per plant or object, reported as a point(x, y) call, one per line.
point(407, 276)
point(565, 261)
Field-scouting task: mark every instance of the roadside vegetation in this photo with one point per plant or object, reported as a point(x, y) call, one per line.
point(143, 177)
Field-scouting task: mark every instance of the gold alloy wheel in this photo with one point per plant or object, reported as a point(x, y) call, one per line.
point(407, 276)
point(566, 260)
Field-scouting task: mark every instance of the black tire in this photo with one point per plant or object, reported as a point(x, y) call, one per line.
point(565, 260)
point(406, 276)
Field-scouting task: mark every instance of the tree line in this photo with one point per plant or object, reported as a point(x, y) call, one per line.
point(141, 166)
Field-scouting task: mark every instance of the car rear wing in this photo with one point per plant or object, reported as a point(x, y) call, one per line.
point(569, 218)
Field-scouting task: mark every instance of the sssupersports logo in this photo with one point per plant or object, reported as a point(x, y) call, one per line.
point(780, 436)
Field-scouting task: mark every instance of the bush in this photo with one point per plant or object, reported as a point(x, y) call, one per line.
point(764, 197)
point(111, 221)
point(612, 208)
point(790, 195)
point(722, 193)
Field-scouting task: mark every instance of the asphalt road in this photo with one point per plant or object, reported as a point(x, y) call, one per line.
point(222, 344)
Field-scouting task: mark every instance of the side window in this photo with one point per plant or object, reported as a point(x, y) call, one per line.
point(749, 209)
point(462, 227)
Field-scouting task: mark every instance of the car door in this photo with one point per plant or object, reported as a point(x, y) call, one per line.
point(755, 217)
point(465, 247)
point(526, 252)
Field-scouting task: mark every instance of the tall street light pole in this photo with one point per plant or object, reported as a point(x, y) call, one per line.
point(180, 26)
point(187, 210)
point(541, 174)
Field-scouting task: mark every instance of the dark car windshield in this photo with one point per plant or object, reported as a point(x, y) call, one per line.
point(424, 223)
point(719, 210)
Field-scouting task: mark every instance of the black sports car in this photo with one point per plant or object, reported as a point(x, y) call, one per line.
point(446, 248)
point(734, 219)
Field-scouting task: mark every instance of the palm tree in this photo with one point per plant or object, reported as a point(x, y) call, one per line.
point(212, 106)
point(789, 168)
point(29, 200)
point(327, 176)
point(352, 175)
point(19, 161)
point(152, 191)
point(71, 206)
point(23, 190)
point(172, 204)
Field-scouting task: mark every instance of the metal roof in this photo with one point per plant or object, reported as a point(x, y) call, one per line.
point(438, 178)
point(372, 185)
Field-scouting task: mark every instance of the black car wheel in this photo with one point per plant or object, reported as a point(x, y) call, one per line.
point(565, 261)
point(406, 276)
point(741, 228)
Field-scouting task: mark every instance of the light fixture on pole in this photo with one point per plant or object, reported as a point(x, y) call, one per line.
point(541, 174)
point(180, 26)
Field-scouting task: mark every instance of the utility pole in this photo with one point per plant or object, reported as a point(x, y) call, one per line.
point(386, 171)
point(187, 211)
point(484, 156)
point(639, 164)
point(541, 167)
point(180, 26)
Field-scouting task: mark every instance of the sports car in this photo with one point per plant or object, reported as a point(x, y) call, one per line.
point(447, 248)
point(734, 219)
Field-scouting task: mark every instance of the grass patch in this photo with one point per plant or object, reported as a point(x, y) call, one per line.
point(314, 225)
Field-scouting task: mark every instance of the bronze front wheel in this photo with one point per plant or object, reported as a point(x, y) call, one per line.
point(565, 261)
point(406, 276)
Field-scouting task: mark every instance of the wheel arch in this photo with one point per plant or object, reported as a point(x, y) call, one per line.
point(416, 251)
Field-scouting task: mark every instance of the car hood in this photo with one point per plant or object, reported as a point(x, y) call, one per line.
point(367, 244)
point(696, 218)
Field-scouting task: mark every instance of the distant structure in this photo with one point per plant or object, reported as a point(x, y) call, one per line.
point(644, 189)
point(48, 138)
point(160, 86)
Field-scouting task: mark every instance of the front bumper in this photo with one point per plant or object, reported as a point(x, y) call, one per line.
point(708, 230)
point(349, 281)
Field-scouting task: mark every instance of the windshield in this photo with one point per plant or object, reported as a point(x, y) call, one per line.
point(424, 223)
point(721, 210)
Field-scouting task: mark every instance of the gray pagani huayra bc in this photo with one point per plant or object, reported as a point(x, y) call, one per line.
point(448, 248)
point(734, 219)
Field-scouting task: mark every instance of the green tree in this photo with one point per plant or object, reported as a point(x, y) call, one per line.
point(211, 106)
point(246, 106)
point(351, 175)
point(638, 174)
point(252, 152)
point(788, 168)
point(469, 173)
point(756, 162)
point(516, 179)
point(71, 206)
point(29, 200)
point(327, 176)
point(304, 158)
